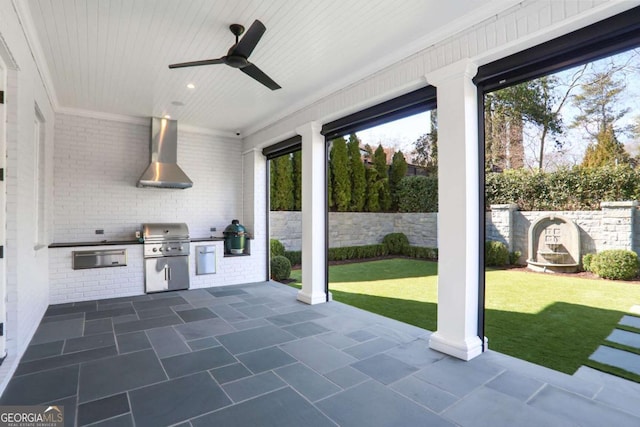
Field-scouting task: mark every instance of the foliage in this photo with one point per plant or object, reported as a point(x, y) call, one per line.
point(496, 254)
point(282, 189)
point(422, 252)
point(514, 257)
point(615, 264)
point(418, 194)
point(506, 110)
point(607, 151)
point(577, 188)
point(356, 252)
point(280, 268)
point(586, 261)
point(358, 177)
point(373, 191)
point(277, 248)
point(341, 185)
point(396, 173)
point(297, 180)
point(426, 147)
point(294, 257)
point(396, 243)
point(380, 164)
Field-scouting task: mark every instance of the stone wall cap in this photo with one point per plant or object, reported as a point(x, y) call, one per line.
point(511, 206)
point(623, 204)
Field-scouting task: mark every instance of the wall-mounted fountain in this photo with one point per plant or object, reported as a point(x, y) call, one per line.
point(554, 245)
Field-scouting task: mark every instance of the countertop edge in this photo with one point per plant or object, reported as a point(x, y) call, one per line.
point(123, 242)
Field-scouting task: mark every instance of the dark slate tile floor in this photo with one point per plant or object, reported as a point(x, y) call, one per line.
point(252, 355)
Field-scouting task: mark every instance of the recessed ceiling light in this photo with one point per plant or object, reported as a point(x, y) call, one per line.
point(191, 86)
point(166, 116)
point(177, 103)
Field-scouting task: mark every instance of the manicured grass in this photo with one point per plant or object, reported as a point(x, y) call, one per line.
point(554, 321)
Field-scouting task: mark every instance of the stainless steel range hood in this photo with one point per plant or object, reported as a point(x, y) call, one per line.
point(164, 172)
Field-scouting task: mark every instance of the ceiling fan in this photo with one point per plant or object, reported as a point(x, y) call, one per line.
point(238, 54)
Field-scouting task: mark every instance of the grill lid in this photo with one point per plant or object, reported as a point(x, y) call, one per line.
point(165, 231)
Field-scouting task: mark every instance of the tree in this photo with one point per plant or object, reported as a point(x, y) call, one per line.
point(297, 180)
point(273, 203)
point(380, 165)
point(426, 146)
point(598, 102)
point(358, 178)
point(341, 185)
point(373, 191)
point(283, 184)
point(397, 172)
point(607, 151)
point(506, 111)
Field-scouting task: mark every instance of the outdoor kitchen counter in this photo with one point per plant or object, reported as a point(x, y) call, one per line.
point(123, 242)
point(98, 243)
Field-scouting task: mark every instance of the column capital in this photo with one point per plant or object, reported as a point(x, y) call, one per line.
point(309, 127)
point(463, 68)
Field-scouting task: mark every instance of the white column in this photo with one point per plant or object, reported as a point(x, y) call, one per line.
point(458, 200)
point(314, 208)
point(254, 217)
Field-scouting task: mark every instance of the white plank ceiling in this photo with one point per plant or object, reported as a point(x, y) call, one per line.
point(111, 56)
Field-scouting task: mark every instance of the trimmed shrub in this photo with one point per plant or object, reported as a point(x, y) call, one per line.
point(280, 268)
point(357, 252)
point(496, 254)
point(514, 257)
point(615, 264)
point(277, 248)
point(418, 194)
point(586, 261)
point(422, 252)
point(396, 243)
point(294, 257)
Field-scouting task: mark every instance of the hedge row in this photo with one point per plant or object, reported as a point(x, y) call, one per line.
point(576, 188)
point(367, 251)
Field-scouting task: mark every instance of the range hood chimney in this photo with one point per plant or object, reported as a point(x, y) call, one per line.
point(164, 172)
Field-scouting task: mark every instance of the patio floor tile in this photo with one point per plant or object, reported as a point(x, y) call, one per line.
point(141, 325)
point(254, 339)
point(89, 342)
point(294, 317)
point(630, 339)
point(633, 321)
point(201, 360)
point(41, 387)
point(281, 408)
point(64, 360)
point(121, 421)
point(305, 329)
point(39, 351)
point(346, 377)
point(204, 328)
point(202, 343)
point(369, 348)
point(133, 341)
point(166, 342)
point(253, 386)
point(425, 394)
point(379, 406)
point(102, 409)
point(230, 373)
point(515, 385)
point(196, 314)
point(318, 355)
point(619, 358)
point(98, 326)
point(56, 331)
point(307, 382)
point(384, 368)
point(265, 359)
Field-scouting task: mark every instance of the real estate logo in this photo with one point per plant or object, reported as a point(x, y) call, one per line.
point(32, 416)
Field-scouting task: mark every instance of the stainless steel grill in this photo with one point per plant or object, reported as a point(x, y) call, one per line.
point(166, 256)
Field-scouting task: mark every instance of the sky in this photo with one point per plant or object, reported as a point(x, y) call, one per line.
point(401, 134)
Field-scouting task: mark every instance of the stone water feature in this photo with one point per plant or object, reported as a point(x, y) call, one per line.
point(554, 245)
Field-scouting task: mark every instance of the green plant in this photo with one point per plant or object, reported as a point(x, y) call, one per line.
point(358, 175)
point(496, 254)
point(294, 257)
point(340, 175)
point(586, 261)
point(396, 243)
point(280, 268)
point(277, 248)
point(422, 252)
point(615, 264)
point(514, 257)
point(418, 194)
point(356, 252)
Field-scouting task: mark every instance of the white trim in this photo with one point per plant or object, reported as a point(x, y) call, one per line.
point(28, 28)
point(465, 350)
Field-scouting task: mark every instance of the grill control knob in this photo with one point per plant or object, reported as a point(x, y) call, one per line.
point(160, 249)
point(155, 249)
point(168, 249)
point(180, 248)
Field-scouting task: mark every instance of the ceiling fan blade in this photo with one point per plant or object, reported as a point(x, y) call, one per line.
point(250, 39)
point(252, 71)
point(195, 63)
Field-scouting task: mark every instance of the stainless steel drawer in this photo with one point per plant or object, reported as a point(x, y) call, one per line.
point(205, 259)
point(99, 258)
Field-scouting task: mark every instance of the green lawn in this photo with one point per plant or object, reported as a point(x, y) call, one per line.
point(554, 321)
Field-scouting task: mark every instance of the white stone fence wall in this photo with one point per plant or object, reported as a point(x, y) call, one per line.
point(358, 228)
point(612, 227)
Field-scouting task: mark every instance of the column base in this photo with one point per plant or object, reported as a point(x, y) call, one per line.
point(465, 350)
point(312, 299)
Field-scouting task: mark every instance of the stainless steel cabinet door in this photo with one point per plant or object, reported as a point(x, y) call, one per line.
point(156, 274)
point(178, 272)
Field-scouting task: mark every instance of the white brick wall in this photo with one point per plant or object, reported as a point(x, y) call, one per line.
point(97, 165)
point(68, 285)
